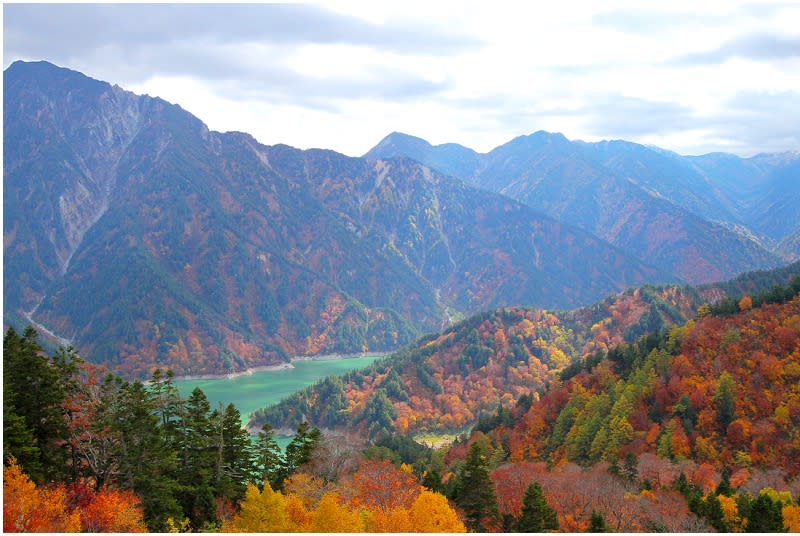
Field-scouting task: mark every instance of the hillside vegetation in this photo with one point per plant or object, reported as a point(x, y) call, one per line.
point(446, 381)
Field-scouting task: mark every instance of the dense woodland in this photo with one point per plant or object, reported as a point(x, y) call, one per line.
point(86, 451)
point(447, 381)
point(694, 425)
point(688, 428)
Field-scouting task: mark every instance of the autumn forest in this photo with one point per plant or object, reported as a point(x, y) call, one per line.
point(689, 428)
point(562, 336)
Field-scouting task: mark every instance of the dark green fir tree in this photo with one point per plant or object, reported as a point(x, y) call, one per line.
point(597, 523)
point(474, 492)
point(536, 514)
point(724, 487)
point(766, 515)
point(268, 459)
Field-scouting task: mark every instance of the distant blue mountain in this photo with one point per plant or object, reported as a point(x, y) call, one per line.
point(702, 218)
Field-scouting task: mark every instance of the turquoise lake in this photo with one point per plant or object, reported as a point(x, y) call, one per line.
point(249, 392)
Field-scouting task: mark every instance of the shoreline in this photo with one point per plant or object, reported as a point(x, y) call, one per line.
point(274, 368)
point(329, 357)
point(231, 375)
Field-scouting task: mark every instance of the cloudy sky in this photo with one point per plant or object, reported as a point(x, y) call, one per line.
point(690, 76)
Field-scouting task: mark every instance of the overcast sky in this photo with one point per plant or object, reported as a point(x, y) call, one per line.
point(693, 77)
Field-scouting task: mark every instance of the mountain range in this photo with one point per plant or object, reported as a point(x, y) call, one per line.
point(704, 218)
point(144, 239)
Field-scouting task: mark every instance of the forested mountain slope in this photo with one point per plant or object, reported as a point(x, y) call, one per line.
point(446, 381)
point(722, 389)
point(693, 426)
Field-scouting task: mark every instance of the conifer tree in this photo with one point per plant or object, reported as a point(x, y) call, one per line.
point(433, 481)
point(197, 461)
point(18, 440)
point(148, 461)
point(298, 451)
point(712, 510)
point(474, 492)
point(597, 523)
point(724, 398)
point(630, 468)
point(765, 515)
point(234, 454)
point(32, 384)
point(724, 487)
point(536, 514)
point(267, 458)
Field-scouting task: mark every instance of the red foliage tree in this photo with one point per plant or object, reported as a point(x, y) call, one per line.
point(379, 484)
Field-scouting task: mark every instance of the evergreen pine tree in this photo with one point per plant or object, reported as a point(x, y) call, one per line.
point(33, 385)
point(724, 399)
point(712, 510)
point(268, 459)
point(474, 492)
point(536, 514)
point(433, 481)
point(299, 450)
point(198, 461)
point(765, 515)
point(166, 399)
point(19, 443)
point(682, 484)
point(148, 461)
point(724, 487)
point(597, 523)
point(234, 454)
point(630, 468)
point(508, 522)
point(18, 439)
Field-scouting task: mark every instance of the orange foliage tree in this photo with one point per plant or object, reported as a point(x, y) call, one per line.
point(56, 508)
point(791, 517)
point(113, 510)
point(28, 509)
point(378, 484)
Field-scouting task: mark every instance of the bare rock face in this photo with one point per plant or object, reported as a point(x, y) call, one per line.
point(104, 134)
point(69, 149)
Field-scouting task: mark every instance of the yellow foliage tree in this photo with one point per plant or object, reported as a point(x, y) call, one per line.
point(393, 520)
point(431, 512)
point(791, 517)
point(705, 450)
point(261, 512)
point(746, 303)
point(731, 512)
point(783, 497)
point(333, 516)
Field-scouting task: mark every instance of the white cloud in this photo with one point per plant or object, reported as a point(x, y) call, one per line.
point(343, 74)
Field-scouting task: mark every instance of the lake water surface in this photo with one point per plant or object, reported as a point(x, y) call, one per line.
point(249, 392)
